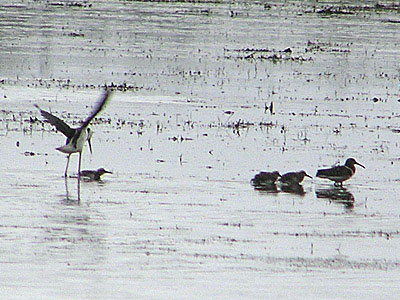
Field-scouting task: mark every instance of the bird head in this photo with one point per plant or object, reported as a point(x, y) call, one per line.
point(350, 162)
point(305, 174)
point(103, 171)
point(276, 173)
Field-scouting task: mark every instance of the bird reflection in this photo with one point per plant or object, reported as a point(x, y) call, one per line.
point(67, 195)
point(293, 188)
point(337, 194)
point(269, 188)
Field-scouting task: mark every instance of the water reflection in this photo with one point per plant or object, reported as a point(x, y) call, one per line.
point(338, 195)
point(293, 188)
point(75, 233)
point(269, 188)
point(67, 194)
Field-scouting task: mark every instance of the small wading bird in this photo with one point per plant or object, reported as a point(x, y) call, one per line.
point(339, 174)
point(94, 174)
point(265, 178)
point(294, 177)
point(76, 137)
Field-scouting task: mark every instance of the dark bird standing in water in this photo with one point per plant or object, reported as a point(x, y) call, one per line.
point(339, 174)
point(94, 174)
point(294, 177)
point(265, 178)
point(76, 137)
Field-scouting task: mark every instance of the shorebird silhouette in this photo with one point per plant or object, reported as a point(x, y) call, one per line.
point(76, 137)
point(94, 174)
point(339, 174)
point(294, 177)
point(265, 178)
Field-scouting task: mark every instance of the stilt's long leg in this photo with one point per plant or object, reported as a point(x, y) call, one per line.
point(79, 177)
point(66, 168)
point(66, 188)
point(79, 166)
point(79, 190)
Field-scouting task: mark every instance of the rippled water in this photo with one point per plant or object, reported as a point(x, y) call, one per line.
point(185, 131)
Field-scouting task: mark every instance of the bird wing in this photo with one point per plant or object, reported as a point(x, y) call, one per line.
point(58, 123)
point(264, 178)
point(291, 176)
point(338, 171)
point(85, 172)
point(99, 106)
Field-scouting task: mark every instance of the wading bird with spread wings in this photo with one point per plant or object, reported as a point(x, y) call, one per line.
point(76, 137)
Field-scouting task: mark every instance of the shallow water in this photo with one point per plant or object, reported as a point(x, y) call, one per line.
point(185, 131)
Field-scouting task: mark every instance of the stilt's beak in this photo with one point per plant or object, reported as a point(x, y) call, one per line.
point(109, 172)
point(90, 146)
point(359, 164)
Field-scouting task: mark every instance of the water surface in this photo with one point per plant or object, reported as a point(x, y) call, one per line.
point(184, 133)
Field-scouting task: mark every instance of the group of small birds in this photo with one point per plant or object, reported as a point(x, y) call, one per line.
point(76, 138)
point(337, 174)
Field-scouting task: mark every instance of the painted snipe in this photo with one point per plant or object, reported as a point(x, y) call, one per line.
point(339, 174)
point(94, 174)
point(294, 177)
point(265, 178)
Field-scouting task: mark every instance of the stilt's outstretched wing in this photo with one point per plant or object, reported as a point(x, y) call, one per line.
point(58, 123)
point(99, 106)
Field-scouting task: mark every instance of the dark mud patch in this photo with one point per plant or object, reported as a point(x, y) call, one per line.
point(252, 54)
point(319, 46)
point(297, 263)
point(348, 9)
